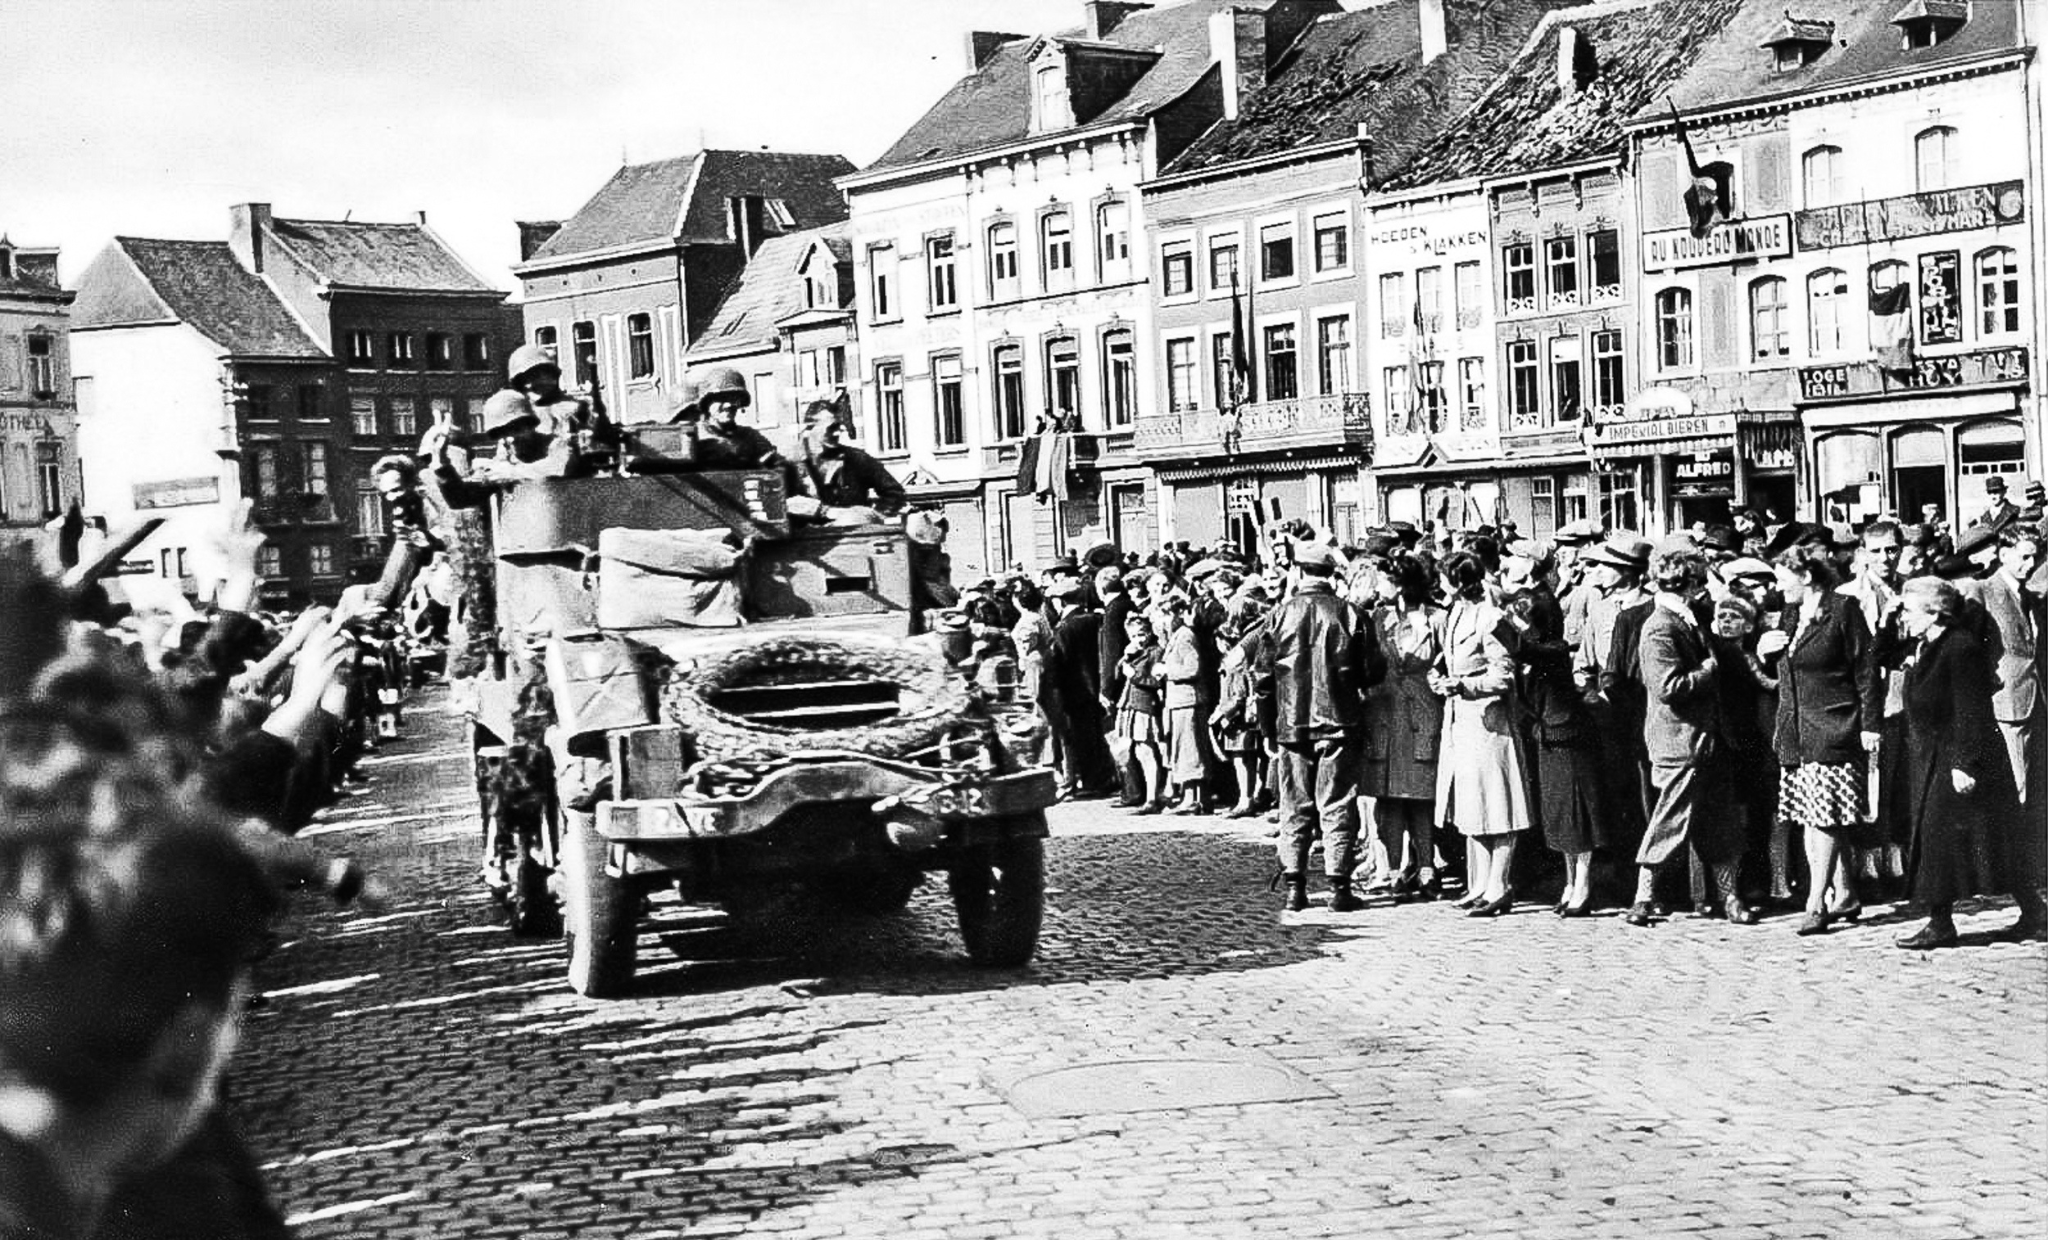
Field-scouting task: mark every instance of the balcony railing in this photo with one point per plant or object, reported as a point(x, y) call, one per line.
point(1303, 422)
point(1120, 442)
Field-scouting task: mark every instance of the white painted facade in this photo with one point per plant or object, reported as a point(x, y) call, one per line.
point(152, 411)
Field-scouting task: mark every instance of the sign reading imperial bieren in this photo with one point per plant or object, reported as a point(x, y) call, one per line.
point(1912, 215)
point(1768, 236)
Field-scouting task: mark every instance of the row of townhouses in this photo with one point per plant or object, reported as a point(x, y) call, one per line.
point(1446, 260)
point(1458, 261)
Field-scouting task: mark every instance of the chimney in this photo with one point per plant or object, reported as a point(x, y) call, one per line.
point(1104, 16)
point(982, 44)
point(533, 234)
point(1237, 41)
point(1567, 61)
point(246, 223)
point(747, 221)
point(1434, 40)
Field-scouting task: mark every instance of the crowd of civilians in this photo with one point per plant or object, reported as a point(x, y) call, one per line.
point(1732, 719)
point(156, 765)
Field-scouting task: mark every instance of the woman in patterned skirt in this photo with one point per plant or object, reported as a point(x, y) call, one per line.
point(1828, 712)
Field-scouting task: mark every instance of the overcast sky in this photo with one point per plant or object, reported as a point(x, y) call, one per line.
point(151, 117)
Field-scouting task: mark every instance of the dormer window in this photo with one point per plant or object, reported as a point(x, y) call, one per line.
point(1927, 23)
point(1049, 96)
point(1799, 41)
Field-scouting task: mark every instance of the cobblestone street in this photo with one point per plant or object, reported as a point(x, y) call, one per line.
point(421, 1073)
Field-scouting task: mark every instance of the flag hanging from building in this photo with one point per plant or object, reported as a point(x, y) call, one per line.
point(1043, 460)
point(1241, 377)
point(1418, 356)
point(1709, 192)
point(1891, 326)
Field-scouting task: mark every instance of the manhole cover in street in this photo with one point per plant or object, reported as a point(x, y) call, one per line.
point(1158, 1085)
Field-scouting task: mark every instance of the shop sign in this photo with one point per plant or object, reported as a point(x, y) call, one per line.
point(1767, 237)
point(1941, 298)
point(1241, 497)
point(177, 493)
point(1704, 475)
point(1543, 443)
point(1425, 241)
point(135, 568)
point(1696, 426)
point(1855, 380)
point(1912, 215)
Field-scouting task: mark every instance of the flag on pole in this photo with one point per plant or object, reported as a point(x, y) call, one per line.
point(1418, 351)
point(1243, 382)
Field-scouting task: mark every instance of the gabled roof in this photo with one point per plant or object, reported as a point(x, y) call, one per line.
point(1364, 68)
point(138, 281)
point(1627, 52)
point(397, 257)
point(1734, 68)
point(684, 200)
point(991, 107)
point(768, 291)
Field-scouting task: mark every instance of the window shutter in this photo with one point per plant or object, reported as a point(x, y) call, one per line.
point(1717, 320)
point(1768, 167)
point(1663, 204)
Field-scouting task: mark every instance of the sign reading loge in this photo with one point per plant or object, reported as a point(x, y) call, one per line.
point(1912, 215)
point(177, 493)
point(1769, 236)
point(1854, 380)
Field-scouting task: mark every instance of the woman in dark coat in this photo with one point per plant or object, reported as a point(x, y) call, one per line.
point(1959, 793)
point(1568, 775)
point(1829, 705)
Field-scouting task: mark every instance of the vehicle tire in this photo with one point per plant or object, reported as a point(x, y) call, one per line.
point(999, 893)
point(600, 914)
point(935, 698)
point(872, 890)
point(535, 914)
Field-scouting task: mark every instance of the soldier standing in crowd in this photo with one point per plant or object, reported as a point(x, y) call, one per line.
point(1317, 658)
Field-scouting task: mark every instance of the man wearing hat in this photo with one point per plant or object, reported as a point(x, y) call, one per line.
point(1574, 596)
point(1073, 664)
point(1318, 656)
point(2002, 510)
point(1605, 668)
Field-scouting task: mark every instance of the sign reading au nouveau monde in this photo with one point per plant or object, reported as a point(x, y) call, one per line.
point(1912, 215)
point(1768, 236)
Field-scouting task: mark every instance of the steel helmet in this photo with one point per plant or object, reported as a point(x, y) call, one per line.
point(722, 381)
point(683, 406)
point(529, 357)
point(506, 409)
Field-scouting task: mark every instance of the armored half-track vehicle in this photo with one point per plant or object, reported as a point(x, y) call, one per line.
point(691, 691)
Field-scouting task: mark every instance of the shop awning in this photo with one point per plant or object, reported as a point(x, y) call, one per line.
point(1238, 467)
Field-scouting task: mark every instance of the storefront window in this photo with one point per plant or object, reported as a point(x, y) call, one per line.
point(1620, 507)
point(1845, 464)
point(1982, 450)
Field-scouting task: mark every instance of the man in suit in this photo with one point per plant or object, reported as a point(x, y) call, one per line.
point(1072, 662)
point(1682, 733)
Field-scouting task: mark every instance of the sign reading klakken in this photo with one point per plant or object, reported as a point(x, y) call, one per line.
point(1768, 236)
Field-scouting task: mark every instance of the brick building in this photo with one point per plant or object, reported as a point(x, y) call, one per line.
point(38, 415)
point(626, 285)
point(276, 365)
point(417, 335)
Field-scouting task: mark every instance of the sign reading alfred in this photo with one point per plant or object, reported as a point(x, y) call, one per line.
point(1768, 236)
point(1912, 215)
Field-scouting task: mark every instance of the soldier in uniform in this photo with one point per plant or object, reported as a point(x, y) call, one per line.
point(577, 420)
point(721, 442)
point(839, 475)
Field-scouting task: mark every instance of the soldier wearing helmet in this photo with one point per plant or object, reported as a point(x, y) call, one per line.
point(722, 443)
point(579, 419)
